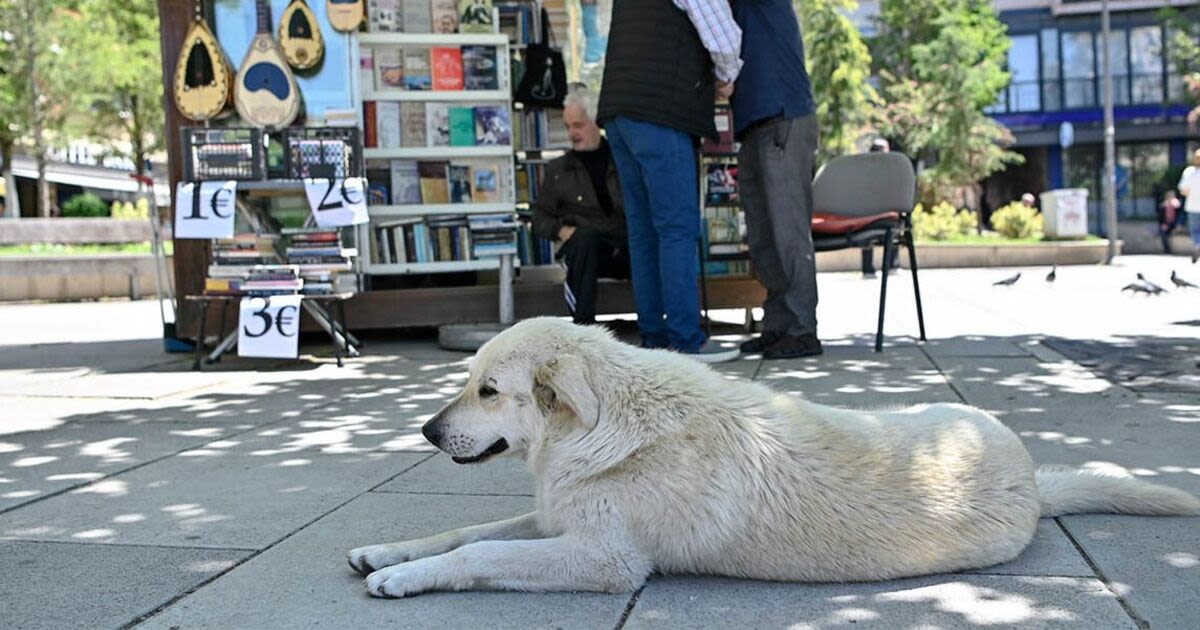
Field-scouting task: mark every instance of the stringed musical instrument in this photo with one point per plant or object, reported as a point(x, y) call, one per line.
point(344, 15)
point(300, 36)
point(265, 93)
point(203, 85)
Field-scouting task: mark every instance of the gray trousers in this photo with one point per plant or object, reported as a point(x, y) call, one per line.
point(775, 173)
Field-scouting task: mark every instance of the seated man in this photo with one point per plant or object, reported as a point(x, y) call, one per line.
point(580, 207)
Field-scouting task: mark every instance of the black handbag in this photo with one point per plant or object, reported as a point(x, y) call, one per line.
point(544, 83)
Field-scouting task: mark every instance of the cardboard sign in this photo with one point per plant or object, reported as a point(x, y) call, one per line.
point(205, 209)
point(269, 327)
point(337, 202)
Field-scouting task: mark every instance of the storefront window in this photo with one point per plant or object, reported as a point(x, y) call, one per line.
point(1079, 69)
point(1051, 96)
point(1145, 57)
point(1139, 168)
point(1024, 93)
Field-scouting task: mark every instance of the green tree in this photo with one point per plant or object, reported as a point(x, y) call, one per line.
point(1183, 49)
point(12, 105)
point(839, 64)
point(938, 90)
point(115, 55)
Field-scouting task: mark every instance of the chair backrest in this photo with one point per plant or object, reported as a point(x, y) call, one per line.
point(865, 184)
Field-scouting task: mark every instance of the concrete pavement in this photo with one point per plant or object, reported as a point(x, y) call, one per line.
point(136, 493)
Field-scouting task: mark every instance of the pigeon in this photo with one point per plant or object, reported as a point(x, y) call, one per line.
point(1007, 282)
point(1154, 288)
point(1137, 287)
point(1053, 275)
point(1181, 283)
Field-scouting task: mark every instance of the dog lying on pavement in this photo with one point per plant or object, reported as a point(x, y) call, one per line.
point(646, 460)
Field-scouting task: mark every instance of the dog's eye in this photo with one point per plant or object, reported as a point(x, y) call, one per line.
point(487, 391)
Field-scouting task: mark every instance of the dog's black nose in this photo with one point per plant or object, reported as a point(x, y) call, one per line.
point(432, 432)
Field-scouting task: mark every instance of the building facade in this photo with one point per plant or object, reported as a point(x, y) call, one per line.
point(1056, 65)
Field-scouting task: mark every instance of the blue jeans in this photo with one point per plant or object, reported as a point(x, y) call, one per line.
point(1193, 219)
point(659, 184)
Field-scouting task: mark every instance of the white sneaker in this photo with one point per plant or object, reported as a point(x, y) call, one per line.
point(714, 351)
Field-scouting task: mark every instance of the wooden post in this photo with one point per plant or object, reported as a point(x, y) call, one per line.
point(191, 256)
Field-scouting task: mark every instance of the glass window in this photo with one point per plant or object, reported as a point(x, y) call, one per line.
point(1119, 58)
point(1140, 167)
point(1024, 92)
point(1146, 61)
point(1079, 70)
point(1051, 96)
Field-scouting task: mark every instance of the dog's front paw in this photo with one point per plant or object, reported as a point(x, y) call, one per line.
point(397, 581)
point(372, 558)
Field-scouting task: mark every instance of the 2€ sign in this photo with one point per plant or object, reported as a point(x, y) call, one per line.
point(205, 209)
point(269, 327)
point(337, 202)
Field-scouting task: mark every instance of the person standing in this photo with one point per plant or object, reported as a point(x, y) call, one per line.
point(579, 206)
point(664, 61)
point(1189, 186)
point(774, 117)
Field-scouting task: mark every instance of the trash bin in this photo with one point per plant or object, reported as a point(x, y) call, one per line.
point(1065, 212)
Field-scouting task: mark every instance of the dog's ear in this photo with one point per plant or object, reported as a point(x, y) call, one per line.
point(564, 381)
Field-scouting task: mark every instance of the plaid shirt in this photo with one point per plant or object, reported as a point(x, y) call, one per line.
point(722, 37)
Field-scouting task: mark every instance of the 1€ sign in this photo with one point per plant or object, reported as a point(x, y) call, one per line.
point(205, 209)
point(337, 202)
point(269, 327)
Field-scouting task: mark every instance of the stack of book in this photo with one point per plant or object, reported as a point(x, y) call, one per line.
point(519, 19)
point(493, 234)
point(532, 250)
point(253, 280)
point(437, 238)
point(321, 260)
point(244, 250)
point(392, 125)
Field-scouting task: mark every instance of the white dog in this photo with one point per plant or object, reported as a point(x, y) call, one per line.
point(647, 460)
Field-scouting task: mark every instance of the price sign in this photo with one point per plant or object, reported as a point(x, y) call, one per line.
point(205, 209)
point(269, 327)
point(337, 202)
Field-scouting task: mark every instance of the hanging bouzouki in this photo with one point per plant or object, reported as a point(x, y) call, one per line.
point(344, 15)
point(300, 36)
point(203, 75)
point(266, 94)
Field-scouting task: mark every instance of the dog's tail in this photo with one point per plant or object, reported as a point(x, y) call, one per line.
point(1076, 491)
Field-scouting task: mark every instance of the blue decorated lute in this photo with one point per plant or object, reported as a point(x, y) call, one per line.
point(266, 94)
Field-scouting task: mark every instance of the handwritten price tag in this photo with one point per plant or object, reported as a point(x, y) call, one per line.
point(337, 202)
point(269, 327)
point(205, 209)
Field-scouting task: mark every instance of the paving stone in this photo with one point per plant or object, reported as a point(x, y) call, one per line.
point(440, 475)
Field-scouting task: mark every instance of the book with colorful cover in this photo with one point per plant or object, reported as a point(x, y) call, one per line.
point(437, 124)
point(485, 182)
point(434, 187)
point(412, 122)
point(445, 16)
point(406, 182)
point(462, 126)
point(493, 125)
point(416, 69)
point(459, 176)
point(480, 71)
point(447, 67)
point(475, 16)
point(389, 69)
point(721, 184)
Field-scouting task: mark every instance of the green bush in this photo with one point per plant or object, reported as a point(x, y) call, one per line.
point(1016, 220)
point(942, 222)
point(85, 205)
point(127, 210)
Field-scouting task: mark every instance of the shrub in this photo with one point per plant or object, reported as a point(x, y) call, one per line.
point(85, 205)
point(942, 222)
point(1016, 220)
point(127, 210)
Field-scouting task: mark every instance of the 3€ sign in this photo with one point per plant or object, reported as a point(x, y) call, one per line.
point(205, 209)
point(269, 327)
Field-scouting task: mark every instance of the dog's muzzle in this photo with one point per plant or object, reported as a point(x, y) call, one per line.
point(499, 446)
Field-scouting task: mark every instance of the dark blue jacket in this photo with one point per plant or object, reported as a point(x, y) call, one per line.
point(773, 81)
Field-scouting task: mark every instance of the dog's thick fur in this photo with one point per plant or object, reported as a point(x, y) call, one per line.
point(649, 461)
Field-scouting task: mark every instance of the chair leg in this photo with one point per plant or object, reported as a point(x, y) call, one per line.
point(912, 260)
point(887, 256)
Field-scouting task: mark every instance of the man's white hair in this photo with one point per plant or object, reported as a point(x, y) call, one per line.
point(579, 94)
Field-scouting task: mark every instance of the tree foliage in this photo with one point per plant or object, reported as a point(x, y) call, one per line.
point(1183, 48)
point(839, 64)
point(942, 63)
